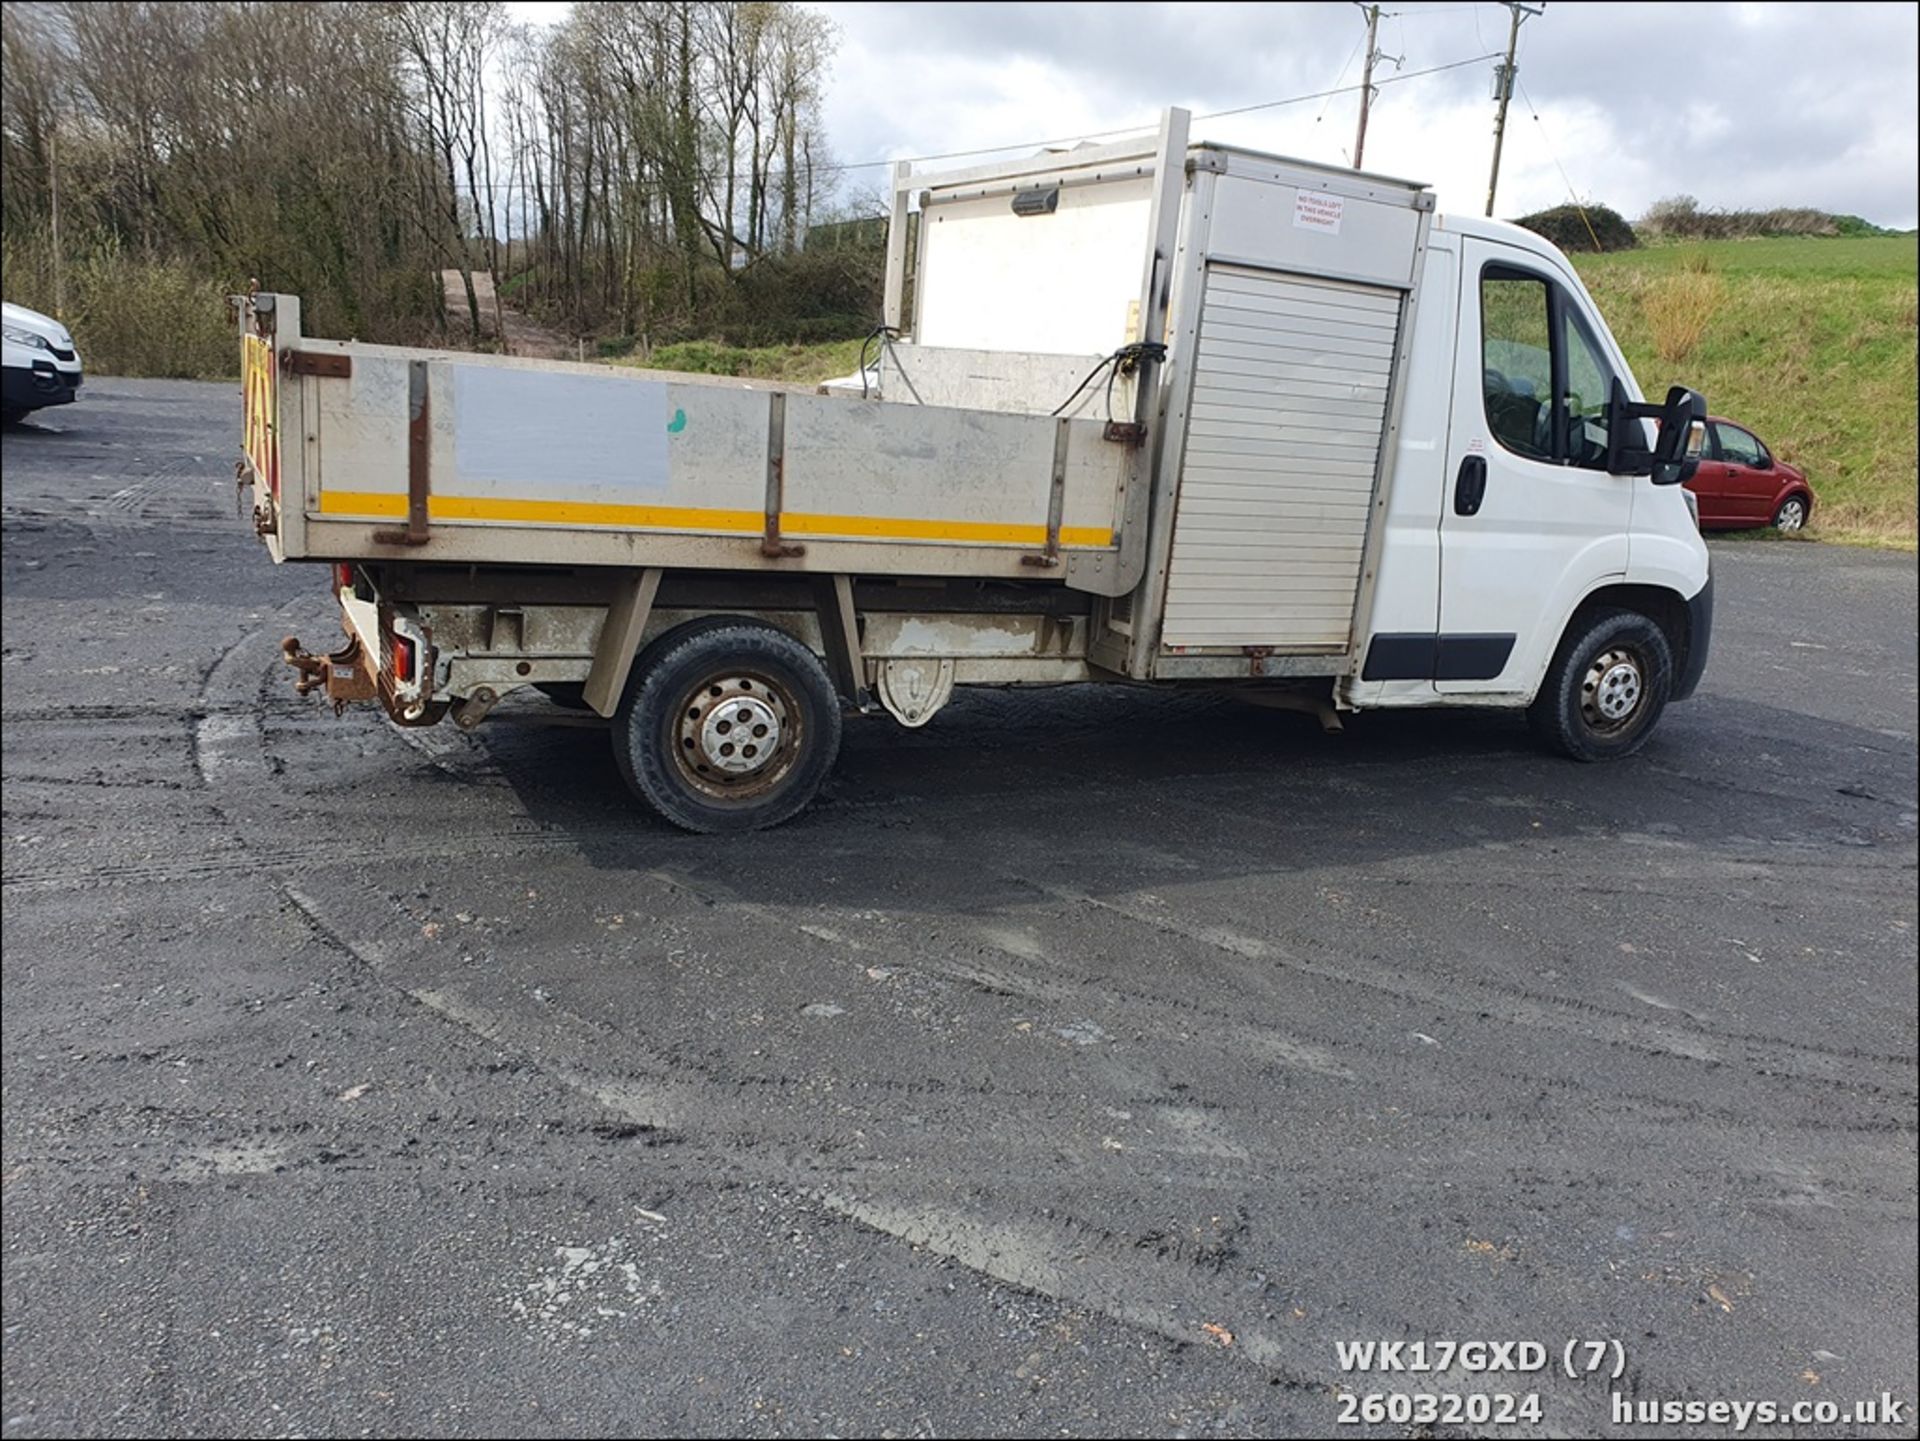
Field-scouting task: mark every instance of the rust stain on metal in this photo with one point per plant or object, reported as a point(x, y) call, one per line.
point(419, 440)
point(343, 675)
point(325, 364)
point(771, 544)
point(1056, 497)
point(471, 711)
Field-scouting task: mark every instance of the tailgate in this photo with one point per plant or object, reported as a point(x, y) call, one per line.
point(260, 425)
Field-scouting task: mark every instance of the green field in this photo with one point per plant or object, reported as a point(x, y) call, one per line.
point(1808, 341)
point(805, 364)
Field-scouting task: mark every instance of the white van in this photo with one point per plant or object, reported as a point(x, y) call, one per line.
point(1148, 413)
point(41, 365)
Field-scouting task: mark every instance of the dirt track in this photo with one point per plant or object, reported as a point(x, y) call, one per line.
point(525, 336)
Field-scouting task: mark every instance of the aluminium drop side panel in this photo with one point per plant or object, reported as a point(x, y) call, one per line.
point(1019, 382)
point(294, 438)
point(928, 473)
point(554, 463)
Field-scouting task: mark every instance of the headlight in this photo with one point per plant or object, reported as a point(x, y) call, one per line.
point(27, 338)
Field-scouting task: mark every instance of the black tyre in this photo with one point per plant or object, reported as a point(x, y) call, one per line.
point(727, 725)
point(1606, 687)
point(1793, 514)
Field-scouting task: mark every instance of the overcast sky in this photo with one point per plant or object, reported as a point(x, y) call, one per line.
point(1738, 105)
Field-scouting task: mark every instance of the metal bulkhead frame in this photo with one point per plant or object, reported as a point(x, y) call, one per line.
point(1161, 155)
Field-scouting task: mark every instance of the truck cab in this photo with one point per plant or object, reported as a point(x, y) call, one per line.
point(1506, 525)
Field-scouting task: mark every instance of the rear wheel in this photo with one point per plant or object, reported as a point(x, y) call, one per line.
point(727, 726)
point(1792, 514)
point(1606, 687)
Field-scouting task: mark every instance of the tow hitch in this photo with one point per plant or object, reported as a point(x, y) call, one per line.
point(343, 675)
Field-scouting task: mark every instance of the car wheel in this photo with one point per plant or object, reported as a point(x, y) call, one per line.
point(1606, 687)
point(1792, 514)
point(727, 725)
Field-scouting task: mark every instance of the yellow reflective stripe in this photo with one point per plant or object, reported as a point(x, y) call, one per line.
point(892, 528)
point(668, 517)
point(542, 512)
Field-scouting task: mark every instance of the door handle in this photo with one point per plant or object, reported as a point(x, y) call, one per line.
point(1470, 487)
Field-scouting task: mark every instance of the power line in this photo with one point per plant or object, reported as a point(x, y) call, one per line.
point(1552, 154)
point(1344, 90)
point(840, 167)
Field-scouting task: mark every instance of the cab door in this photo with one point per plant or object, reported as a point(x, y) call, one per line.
point(1532, 520)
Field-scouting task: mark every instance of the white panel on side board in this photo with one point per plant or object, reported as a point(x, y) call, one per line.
point(556, 436)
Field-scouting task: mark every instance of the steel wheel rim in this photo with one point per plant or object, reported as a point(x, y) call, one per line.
point(736, 735)
point(1613, 690)
point(1793, 515)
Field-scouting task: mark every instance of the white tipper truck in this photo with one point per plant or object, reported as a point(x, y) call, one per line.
point(1150, 413)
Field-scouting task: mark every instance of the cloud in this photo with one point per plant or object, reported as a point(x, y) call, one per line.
point(1738, 105)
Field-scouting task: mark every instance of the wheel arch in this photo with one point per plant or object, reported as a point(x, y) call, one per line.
point(1666, 608)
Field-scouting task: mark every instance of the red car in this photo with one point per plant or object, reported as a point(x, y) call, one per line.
point(1740, 485)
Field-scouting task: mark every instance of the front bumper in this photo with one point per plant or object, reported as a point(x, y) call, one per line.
point(44, 383)
point(1699, 641)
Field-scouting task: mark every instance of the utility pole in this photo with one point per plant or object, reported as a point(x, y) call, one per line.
point(1503, 90)
point(1372, 12)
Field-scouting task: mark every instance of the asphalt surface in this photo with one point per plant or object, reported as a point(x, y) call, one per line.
point(1089, 1062)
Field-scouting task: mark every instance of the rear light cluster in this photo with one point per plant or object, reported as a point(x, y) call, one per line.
point(402, 659)
point(342, 577)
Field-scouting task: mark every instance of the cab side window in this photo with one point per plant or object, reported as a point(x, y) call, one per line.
point(1583, 404)
point(1737, 447)
point(1545, 380)
point(1516, 357)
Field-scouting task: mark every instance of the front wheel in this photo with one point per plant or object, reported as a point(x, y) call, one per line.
point(727, 726)
point(1606, 687)
point(1792, 514)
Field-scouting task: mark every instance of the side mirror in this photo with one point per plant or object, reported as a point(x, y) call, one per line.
point(1675, 453)
point(1672, 463)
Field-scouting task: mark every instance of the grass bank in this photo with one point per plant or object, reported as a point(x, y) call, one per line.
point(1810, 341)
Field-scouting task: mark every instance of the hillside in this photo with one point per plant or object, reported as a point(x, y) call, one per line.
point(1810, 341)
